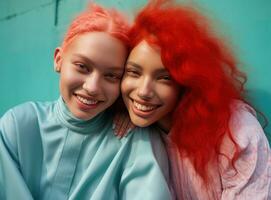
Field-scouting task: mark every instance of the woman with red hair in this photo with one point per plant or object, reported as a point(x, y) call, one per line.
point(181, 77)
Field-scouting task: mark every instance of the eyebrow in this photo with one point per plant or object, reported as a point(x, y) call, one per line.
point(133, 64)
point(91, 62)
point(159, 71)
point(84, 58)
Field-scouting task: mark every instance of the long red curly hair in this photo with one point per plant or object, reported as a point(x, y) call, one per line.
point(204, 67)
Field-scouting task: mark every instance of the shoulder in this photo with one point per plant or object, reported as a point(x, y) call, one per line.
point(251, 169)
point(27, 109)
point(242, 113)
point(138, 137)
point(19, 113)
point(141, 142)
point(21, 119)
point(246, 132)
point(26, 112)
point(148, 136)
point(11, 122)
point(244, 125)
point(148, 143)
point(142, 167)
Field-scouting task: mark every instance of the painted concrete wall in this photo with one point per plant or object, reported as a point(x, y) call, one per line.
point(31, 29)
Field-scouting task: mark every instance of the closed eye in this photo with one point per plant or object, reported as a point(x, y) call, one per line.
point(82, 67)
point(132, 73)
point(166, 78)
point(112, 77)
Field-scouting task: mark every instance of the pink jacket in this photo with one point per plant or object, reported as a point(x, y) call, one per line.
point(251, 181)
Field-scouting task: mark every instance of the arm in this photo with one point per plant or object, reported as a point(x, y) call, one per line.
point(250, 177)
point(12, 184)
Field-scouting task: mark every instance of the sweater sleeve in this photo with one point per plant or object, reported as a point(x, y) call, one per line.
point(143, 178)
point(250, 176)
point(12, 184)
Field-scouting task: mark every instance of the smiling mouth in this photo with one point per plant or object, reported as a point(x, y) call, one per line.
point(144, 107)
point(86, 101)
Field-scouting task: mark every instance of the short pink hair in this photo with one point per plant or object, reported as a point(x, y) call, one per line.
point(98, 19)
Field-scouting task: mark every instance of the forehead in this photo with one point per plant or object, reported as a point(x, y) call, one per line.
point(95, 39)
point(147, 57)
point(99, 47)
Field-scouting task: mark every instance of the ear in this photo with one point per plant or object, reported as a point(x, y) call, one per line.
point(58, 59)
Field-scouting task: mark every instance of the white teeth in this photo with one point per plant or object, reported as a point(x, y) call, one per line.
point(143, 107)
point(86, 101)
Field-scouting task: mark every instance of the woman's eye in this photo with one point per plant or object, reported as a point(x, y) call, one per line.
point(132, 73)
point(112, 77)
point(165, 78)
point(82, 67)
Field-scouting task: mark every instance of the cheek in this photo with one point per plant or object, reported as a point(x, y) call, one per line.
point(67, 74)
point(70, 80)
point(112, 90)
point(170, 96)
point(127, 85)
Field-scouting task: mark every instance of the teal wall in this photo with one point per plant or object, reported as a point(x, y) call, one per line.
point(31, 29)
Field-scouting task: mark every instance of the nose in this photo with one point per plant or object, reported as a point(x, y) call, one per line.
point(92, 84)
point(146, 89)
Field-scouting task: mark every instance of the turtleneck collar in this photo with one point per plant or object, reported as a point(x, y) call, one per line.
point(79, 125)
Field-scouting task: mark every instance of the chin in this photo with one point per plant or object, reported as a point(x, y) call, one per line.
point(141, 122)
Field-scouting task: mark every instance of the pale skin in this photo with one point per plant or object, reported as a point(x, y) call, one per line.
point(90, 68)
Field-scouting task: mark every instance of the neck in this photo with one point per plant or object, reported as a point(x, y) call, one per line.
point(165, 123)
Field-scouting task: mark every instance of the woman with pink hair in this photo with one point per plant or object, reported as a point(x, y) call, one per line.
point(66, 149)
point(183, 79)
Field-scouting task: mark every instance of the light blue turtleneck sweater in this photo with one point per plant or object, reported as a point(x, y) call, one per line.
point(46, 153)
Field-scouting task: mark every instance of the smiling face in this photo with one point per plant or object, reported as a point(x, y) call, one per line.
point(90, 68)
point(148, 91)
